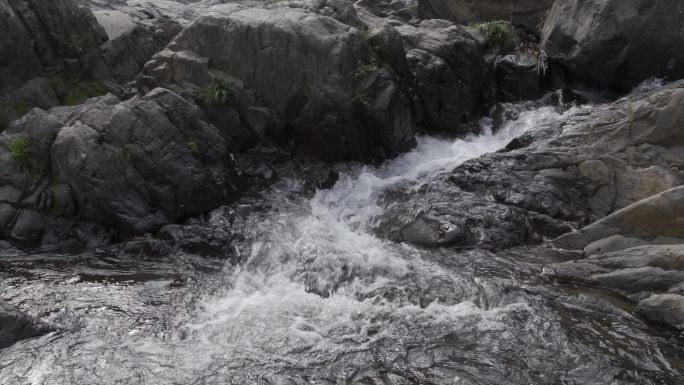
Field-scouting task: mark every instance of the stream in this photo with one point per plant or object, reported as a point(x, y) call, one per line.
point(314, 297)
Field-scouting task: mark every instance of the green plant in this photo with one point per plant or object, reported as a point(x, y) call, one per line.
point(20, 152)
point(496, 32)
point(218, 93)
point(362, 99)
point(74, 91)
point(193, 147)
point(365, 69)
point(21, 109)
point(365, 32)
point(124, 153)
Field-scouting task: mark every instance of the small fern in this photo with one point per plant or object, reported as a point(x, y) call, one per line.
point(218, 93)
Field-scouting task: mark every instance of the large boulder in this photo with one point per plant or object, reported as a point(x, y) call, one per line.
point(447, 74)
point(16, 325)
point(528, 14)
point(129, 167)
point(297, 77)
point(40, 36)
point(568, 172)
point(616, 44)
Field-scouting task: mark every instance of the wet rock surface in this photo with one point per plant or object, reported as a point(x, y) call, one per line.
point(567, 173)
point(16, 326)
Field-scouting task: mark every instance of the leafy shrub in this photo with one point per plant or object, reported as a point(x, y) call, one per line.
point(20, 152)
point(218, 93)
point(496, 32)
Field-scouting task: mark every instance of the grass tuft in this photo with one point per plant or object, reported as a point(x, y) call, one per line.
point(218, 93)
point(496, 32)
point(20, 152)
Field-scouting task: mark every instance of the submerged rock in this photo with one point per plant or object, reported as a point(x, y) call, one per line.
point(131, 167)
point(16, 326)
point(616, 44)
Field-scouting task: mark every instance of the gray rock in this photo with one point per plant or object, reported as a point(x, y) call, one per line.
point(45, 36)
point(448, 74)
point(616, 44)
point(16, 325)
point(131, 166)
point(664, 309)
point(518, 77)
point(310, 71)
point(659, 216)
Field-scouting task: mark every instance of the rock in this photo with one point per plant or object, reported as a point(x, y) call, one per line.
point(16, 325)
point(664, 309)
point(637, 271)
point(448, 74)
point(568, 171)
point(659, 216)
point(316, 77)
point(616, 44)
point(132, 43)
point(518, 77)
point(130, 166)
point(45, 36)
point(528, 14)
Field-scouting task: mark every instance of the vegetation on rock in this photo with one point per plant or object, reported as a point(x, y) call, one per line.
point(496, 32)
point(20, 152)
point(218, 93)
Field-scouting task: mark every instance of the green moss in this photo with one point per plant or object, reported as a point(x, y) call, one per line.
point(82, 91)
point(74, 91)
point(21, 109)
point(124, 153)
point(365, 69)
point(496, 32)
point(20, 152)
point(218, 93)
point(361, 99)
point(193, 147)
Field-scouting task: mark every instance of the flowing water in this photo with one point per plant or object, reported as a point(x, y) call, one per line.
point(315, 298)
